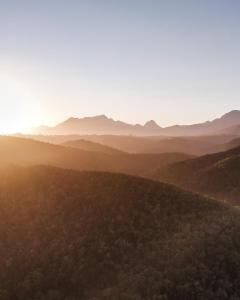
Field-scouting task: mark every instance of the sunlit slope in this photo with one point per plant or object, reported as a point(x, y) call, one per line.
point(22, 151)
point(217, 175)
point(27, 152)
point(70, 235)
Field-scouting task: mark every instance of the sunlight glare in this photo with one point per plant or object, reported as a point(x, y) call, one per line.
point(19, 109)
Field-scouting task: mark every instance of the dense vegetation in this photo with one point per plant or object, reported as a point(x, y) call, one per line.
point(20, 151)
point(217, 175)
point(66, 235)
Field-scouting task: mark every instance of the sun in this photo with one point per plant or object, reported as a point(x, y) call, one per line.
point(18, 108)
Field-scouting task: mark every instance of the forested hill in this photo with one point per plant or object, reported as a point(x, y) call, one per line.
point(71, 235)
point(217, 175)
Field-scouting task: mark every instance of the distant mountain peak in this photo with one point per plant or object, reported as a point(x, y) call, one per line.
point(71, 119)
point(231, 114)
point(151, 125)
point(99, 117)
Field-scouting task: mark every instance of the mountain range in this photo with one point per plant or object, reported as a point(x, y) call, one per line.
point(82, 232)
point(229, 122)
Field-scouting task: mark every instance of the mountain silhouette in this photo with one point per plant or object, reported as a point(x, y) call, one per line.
point(103, 125)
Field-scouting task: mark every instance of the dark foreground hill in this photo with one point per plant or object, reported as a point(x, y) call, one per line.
point(217, 175)
point(27, 152)
point(66, 235)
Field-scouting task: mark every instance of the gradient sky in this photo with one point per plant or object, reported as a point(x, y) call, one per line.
point(171, 61)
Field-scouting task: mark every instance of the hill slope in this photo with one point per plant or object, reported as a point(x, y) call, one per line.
point(29, 152)
point(227, 145)
point(217, 174)
point(233, 144)
point(92, 146)
point(232, 130)
point(190, 145)
point(70, 235)
point(193, 145)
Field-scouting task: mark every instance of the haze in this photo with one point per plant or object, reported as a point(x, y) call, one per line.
point(119, 150)
point(171, 61)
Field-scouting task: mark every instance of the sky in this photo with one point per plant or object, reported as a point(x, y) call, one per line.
point(176, 62)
